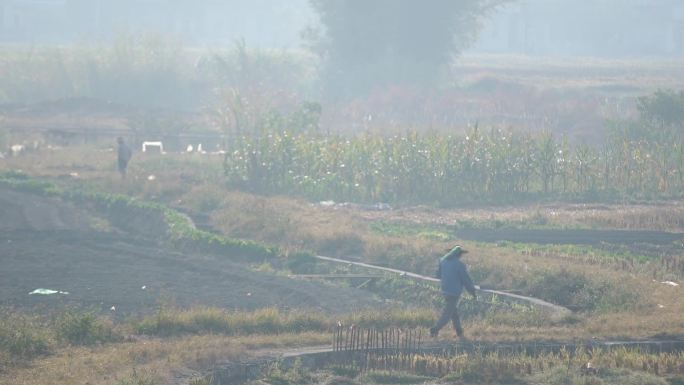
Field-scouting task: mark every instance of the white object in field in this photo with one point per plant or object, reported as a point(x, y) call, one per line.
point(151, 177)
point(157, 145)
point(144, 287)
point(189, 148)
point(113, 308)
point(17, 149)
point(48, 292)
point(670, 283)
point(199, 147)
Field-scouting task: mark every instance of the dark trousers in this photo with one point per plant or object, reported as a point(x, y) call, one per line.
point(450, 313)
point(122, 166)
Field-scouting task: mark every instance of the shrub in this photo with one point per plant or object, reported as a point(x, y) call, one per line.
point(85, 328)
point(301, 263)
point(23, 337)
point(577, 290)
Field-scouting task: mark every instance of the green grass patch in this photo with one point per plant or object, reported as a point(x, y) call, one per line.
point(141, 216)
point(569, 250)
point(397, 229)
point(382, 377)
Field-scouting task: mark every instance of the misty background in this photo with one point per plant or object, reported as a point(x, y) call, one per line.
point(605, 28)
point(383, 66)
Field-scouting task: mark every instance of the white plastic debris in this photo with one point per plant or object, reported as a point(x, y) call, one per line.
point(144, 287)
point(151, 177)
point(113, 308)
point(42, 291)
point(670, 283)
point(661, 306)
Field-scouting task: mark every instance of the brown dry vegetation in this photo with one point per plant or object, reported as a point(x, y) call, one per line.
point(156, 359)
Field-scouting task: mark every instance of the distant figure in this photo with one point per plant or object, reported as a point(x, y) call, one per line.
point(454, 277)
point(124, 155)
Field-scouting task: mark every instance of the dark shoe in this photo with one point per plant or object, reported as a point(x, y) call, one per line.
point(433, 332)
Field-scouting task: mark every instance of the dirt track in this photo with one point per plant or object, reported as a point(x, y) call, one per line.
point(45, 243)
point(577, 237)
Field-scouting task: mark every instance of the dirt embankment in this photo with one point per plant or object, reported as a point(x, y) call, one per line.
point(46, 243)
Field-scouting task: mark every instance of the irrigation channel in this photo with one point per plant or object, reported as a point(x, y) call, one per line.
point(556, 310)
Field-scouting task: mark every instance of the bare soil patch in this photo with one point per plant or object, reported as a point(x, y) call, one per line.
point(46, 243)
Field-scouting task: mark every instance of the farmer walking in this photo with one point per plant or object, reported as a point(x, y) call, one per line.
point(454, 277)
point(124, 155)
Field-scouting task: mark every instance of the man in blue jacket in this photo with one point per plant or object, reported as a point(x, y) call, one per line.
point(124, 154)
point(454, 277)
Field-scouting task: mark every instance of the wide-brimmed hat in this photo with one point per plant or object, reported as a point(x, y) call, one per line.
point(456, 250)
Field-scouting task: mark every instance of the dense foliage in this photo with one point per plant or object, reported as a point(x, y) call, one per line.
point(371, 43)
point(494, 166)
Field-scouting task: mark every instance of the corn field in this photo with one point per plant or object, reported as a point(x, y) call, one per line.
point(494, 166)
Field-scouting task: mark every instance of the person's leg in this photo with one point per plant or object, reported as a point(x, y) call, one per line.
point(449, 309)
point(122, 168)
point(456, 320)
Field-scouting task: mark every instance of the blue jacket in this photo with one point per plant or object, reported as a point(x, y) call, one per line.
point(454, 276)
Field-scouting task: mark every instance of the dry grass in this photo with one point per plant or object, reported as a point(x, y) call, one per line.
point(665, 216)
point(157, 359)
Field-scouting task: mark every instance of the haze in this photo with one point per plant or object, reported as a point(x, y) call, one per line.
point(607, 28)
point(341, 192)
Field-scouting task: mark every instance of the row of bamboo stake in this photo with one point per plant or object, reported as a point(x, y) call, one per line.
point(353, 338)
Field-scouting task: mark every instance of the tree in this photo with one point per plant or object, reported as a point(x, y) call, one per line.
point(663, 108)
point(368, 43)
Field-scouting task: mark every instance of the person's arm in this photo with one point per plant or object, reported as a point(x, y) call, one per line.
point(467, 281)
